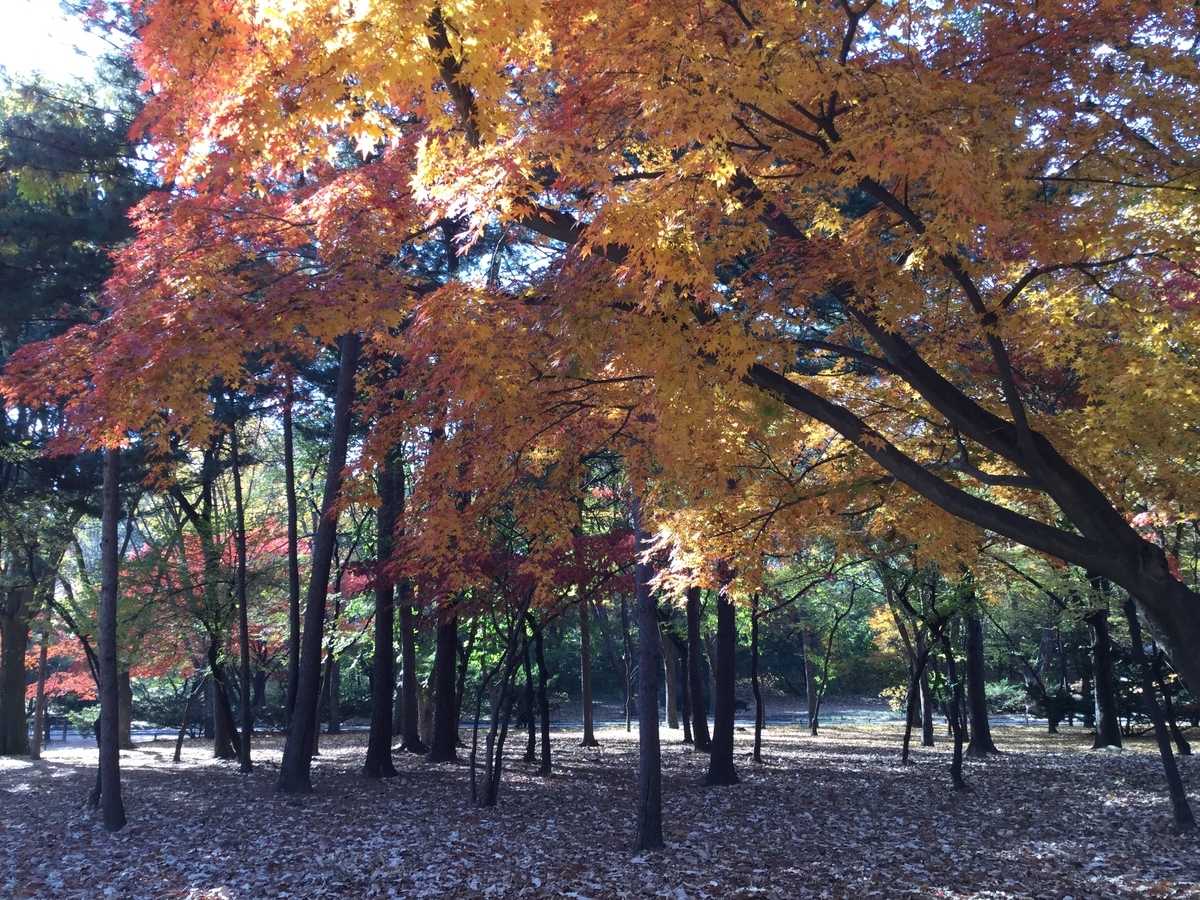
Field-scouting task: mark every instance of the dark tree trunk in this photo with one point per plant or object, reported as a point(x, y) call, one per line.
point(14, 640)
point(530, 725)
point(225, 737)
point(110, 751)
point(685, 700)
point(649, 833)
point(322, 702)
point(585, 675)
point(760, 713)
point(239, 534)
point(812, 690)
point(955, 716)
point(543, 698)
point(378, 763)
point(40, 727)
point(187, 712)
point(293, 559)
point(916, 697)
point(671, 699)
point(720, 758)
point(444, 745)
point(209, 700)
point(1184, 820)
point(981, 743)
point(124, 710)
point(927, 711)
point(695, 673)
point(297, 750)
point(335, 697)
point(410, 717)
point(628, 646)
point(1108, 724)
point(1181, 744)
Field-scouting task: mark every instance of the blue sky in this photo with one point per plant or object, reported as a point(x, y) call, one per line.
point(34, 36)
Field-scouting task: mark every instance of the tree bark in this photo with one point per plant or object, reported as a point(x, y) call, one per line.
point(695, 673)
point(410, 719)
point(1184, 820)
point(981, 743)
point(672, 698)
point(585, 675)
point(720, 758)
point(530, 722)
point(335, 697)
point(1181, 744)
point(649, 833)
point(812, 690)
point(544, 767)
point(378, 763)
point(1108, 724)
point(297, 750)
point(444, 745)
point(14, 640)
point(225, 736)
point(110, 751)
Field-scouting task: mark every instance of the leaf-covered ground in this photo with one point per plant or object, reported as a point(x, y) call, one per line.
point(832, 816)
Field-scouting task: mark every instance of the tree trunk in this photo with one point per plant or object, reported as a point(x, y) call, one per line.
point(927, 711)
point(335, 697)
point(671, 699)
point(585, 675)
point(293, 559)
point(110, 751)
point(444, 745)
point(628, 647)
point(812, 690)
point(14, 640)
point(685, 700)
point(410, 719)
point(956, 723)
point(378, 763)
point(239, 536)
point(322, 702)
point(981, 733)
point(1108, 724)
point(39, 701)
point(649, 833)
point(1184, 820)
point(187, 711)
point(760, 713)
point(695, 673)
point(225, 736)
point(543, 698)
point(297, 750)
point(720, 758)
point(1181, 744)
point(124, 710)
point(531, 727)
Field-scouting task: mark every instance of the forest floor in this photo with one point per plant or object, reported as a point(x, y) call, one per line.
point(832, 816)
